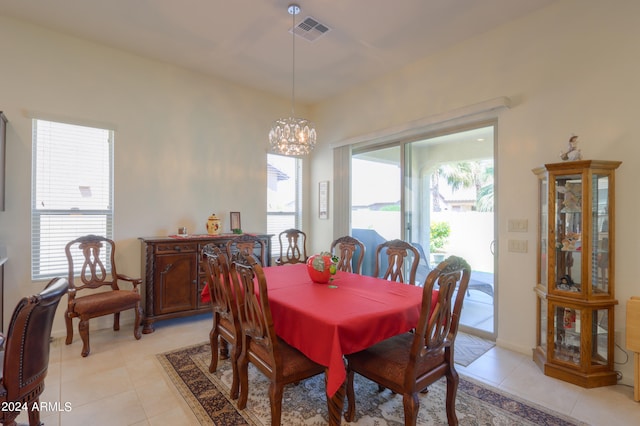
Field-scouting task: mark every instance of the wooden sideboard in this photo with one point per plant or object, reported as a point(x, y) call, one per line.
point(174, 275)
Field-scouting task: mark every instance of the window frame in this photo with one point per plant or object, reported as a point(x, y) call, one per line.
point(297, 214)
point(48, 259)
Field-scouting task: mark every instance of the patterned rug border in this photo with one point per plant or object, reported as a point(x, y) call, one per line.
point(212, 403)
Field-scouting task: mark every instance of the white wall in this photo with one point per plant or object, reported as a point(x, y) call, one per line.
point(186, 145)
point(570, 68)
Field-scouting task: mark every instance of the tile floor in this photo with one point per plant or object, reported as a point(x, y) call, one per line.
point(122, 383)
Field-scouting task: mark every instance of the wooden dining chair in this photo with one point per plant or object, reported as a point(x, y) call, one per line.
point(408, 363)
point(393, 253)
point(225, 330)
point(281, 363)
point(293, 247)
point(87, 256)
point(25, 359)
point(345, 248)
point(247, 244)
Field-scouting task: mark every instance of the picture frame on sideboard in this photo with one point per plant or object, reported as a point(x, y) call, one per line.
point(235, 223)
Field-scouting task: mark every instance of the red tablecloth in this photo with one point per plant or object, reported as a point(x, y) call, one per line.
point(327, 321)
point(351, 313)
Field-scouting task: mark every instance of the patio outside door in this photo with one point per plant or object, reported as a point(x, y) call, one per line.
point(447, 207)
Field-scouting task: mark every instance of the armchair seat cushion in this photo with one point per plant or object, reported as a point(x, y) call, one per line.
point(105, 302)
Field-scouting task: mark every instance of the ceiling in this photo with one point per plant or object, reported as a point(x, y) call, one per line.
point(248, 41)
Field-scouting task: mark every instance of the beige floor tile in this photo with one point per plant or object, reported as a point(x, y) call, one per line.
point(122, 383)
point(121, 409)
point(96, 386)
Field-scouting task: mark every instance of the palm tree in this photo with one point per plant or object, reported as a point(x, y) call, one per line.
point(466, 174)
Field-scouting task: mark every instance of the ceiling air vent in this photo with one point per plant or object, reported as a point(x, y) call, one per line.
point(310, 29)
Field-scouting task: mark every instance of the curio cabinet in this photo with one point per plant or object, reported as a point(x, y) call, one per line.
point(575, 280)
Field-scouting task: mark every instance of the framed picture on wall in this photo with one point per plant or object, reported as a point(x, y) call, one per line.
point(323, 199)
point(235, 221)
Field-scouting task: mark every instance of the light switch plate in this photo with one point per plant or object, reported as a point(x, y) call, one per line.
point(518, 225)
point(518, 246)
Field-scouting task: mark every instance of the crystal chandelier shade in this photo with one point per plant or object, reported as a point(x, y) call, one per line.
point(292, 136)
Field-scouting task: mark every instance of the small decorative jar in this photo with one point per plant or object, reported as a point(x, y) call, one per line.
point(321, 267)
point(214, 225)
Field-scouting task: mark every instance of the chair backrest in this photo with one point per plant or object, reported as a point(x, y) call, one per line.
point(26, 356)
point(348, 247)
point(246, 244)
point(438, 325)
point(87, 255)
point(217, 270)
point(396, 252)
point(255, 314)
point(293, 247)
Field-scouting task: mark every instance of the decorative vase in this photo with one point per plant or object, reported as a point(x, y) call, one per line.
point(214, 225)
point(320, 268)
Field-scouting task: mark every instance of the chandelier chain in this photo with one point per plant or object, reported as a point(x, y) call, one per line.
point(292, 136)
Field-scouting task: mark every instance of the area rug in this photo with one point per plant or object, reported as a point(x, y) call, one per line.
point(469, 348)
point(305, 403)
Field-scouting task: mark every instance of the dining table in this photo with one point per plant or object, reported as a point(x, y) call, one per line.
point(348, 314)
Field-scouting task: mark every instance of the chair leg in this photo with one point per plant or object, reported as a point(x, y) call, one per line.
point(275, 397)
point(69, 323)
point(34, 415)
point(411, 406)
point(452, 390)
point(83, 329)
point(137, 333)
point(243, 375)
point(116, 321)
point(235, 383)
point(351, 398)
point(8, 418)
point(213, 341)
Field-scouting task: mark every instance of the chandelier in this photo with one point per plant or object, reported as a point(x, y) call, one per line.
point(292, 135)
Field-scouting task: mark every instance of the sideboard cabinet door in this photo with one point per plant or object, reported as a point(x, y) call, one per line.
point(176, 283)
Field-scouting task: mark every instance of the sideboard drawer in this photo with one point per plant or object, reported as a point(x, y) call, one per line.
point(176, 247)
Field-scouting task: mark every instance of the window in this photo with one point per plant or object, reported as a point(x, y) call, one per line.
point(72, 191)
point(284, 196)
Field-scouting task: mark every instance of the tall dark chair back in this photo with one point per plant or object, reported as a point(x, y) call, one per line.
point(350, 251)
point(395, 253)
point(281, 363)
point(85, 257)
point(246, 244)
point(293, 247)
point(26, 354)
point(226, 324)
point(410, 362)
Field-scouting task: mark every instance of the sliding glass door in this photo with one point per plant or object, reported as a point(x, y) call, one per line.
point(449, 209)
point(436, 193)
point(376, 192)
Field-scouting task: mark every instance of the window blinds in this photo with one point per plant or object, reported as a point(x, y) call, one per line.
point(72, 191)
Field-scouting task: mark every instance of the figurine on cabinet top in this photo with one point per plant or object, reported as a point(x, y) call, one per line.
point(572, 153)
